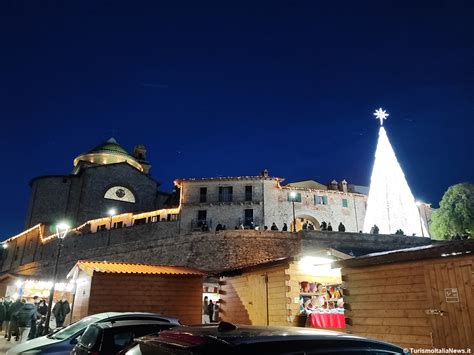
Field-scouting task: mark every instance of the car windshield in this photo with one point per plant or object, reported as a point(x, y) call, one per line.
point(75, 327)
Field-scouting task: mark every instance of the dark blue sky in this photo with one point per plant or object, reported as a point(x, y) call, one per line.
point(232, 87)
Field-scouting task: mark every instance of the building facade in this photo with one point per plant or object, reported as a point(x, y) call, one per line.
point(260, 201)
point(107, 177)
point(103, 179)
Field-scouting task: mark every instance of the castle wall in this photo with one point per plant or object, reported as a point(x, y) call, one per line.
point(160, 243)
point(49, 199)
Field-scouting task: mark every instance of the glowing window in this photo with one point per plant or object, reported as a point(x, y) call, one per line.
point(120, 193)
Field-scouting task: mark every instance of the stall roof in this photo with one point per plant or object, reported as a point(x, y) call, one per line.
point(280, 261)
point(432, 251)
point(90, 267)
point(252, 266)
point(8, 275)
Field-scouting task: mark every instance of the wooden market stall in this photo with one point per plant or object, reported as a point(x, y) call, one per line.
point(416, 298)
point(271, 293)
point(121, 287)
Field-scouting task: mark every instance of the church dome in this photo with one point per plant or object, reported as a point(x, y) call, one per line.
point(109, 152)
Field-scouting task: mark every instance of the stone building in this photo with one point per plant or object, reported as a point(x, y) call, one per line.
point(108, 177)
point(259, 201)
point(104, 178)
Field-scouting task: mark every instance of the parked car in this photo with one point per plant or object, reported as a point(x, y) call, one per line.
point(109, 338)
point(230, 339)
point(64, 340)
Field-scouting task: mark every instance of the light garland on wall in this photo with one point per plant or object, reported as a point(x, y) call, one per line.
point(38, 226)
point(130, 215)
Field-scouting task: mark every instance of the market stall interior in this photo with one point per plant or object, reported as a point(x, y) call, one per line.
point(15, 287)
point(303, 290)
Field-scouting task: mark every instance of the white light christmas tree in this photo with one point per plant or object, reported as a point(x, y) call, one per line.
point(391, 205)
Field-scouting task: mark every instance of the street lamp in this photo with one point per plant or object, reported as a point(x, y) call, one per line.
point(61, 231)
point(293, 198)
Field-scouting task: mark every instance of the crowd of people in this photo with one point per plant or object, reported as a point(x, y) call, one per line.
point(25, 320)
point(306, 226)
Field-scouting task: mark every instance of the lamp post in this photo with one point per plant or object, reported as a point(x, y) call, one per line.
point(61, 230)
point(293, 197)
point(112, 212)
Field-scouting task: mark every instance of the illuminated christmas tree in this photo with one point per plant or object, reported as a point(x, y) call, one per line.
point(391, 205)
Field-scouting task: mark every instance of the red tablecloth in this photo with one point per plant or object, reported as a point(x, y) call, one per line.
point(326, 320)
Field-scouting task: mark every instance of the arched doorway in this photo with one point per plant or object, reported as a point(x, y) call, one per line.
point(307, 222)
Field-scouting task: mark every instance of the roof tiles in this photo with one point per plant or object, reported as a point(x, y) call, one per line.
point(129, 268)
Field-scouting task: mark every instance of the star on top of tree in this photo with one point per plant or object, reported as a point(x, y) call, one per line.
point(381, 115)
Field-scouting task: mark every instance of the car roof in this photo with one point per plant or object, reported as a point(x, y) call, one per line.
point(247, 334)
point(125, 323)
point(106, 316)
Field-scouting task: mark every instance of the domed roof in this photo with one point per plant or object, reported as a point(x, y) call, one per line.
point(111, 145)
point(109, 152)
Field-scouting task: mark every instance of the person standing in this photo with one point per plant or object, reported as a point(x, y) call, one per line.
point(26, 319)
point(210, 310)
point(324, 226)
point(341, 227)
point(42, 307)
point(60, 310)
point(285, 227)
point(329, 227)
point(205, 311)
point(7, 302)
point(13, 324)
point(34, 329)
point(215, 314)
point(3, 313)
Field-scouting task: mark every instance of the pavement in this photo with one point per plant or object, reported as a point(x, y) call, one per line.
point(5, 345)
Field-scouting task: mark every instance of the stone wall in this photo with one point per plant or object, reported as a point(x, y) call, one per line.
point(79, 198)
point(279, 209)
point(230, 214)
point(269, 203)
point(160, 243)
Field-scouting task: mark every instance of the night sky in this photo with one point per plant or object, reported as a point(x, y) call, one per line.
point(228, 88)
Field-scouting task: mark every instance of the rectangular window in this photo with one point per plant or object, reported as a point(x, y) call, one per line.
point(173, 217)
point(225, 194)
point(139, 221)
point(297, 197)
point(320, 200)
point(344, 202)
point(202, 215)
point(102, 227)
point(248, 217)
point(203, 194)
point(248, 193)
point(118, 224)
